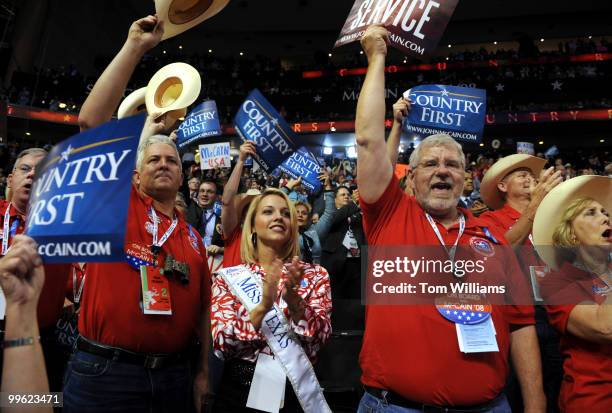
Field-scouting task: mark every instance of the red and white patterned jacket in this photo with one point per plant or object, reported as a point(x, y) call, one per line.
point(235, 337)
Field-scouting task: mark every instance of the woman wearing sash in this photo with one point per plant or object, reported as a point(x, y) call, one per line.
point(300, 295)
point(574, 218)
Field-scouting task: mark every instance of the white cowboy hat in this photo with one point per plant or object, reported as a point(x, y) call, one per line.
point(181, 15)
point(499, 170)
point(174, 86)
point(553, 206)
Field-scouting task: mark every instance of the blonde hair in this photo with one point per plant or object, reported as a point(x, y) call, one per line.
point(304, 204)
point(248, 249)
point(564, 236)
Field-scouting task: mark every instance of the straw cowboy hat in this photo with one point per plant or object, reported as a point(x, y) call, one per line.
point(499, 170)
point(171, 90)
point(553, 206)
point(181, 15)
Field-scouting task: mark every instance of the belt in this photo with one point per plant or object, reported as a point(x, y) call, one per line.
point(147, 360)
point(239, 372)
point(394, 398)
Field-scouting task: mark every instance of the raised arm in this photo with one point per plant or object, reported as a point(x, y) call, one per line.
point(230, 215)
point(374, 168)
point(400, 111)
point(324, 224)
point(522, 228)
point(22, 277)
point(144, 34)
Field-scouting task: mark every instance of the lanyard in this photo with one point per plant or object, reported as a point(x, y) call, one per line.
point(6, 229)
point(207, 216)
point(156, 247)
point(434, 226)
point(77, 295)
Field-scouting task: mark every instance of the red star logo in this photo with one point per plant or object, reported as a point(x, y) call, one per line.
point(388, 123)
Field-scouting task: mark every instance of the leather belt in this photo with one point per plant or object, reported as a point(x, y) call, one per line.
point(147, 360)
point(394, 398)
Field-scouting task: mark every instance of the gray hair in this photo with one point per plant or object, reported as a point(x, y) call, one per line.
point(151, 140)
point(440, 139)
point(29, 151)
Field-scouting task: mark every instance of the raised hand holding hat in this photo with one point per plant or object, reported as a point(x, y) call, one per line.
point(181, 15)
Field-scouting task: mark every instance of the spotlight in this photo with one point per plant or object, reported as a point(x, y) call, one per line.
point(327, 150)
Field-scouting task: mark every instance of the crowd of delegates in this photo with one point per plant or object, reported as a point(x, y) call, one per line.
point(65, 88)
point(305, 251)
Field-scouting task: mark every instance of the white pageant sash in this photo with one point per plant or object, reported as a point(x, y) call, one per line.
point(280, 338)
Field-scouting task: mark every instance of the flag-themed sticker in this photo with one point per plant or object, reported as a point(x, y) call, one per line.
point(482, 246)
point(139, 254)
point(465, 313)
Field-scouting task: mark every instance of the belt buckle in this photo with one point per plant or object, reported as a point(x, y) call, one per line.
point(153, 362)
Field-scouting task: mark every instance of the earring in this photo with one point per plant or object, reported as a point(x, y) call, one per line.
point(254, 238)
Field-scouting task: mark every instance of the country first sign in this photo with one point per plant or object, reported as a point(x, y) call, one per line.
point(457, 111)
point(415, 26)
point(79, 200)
point(258, 121)
point(303, 164)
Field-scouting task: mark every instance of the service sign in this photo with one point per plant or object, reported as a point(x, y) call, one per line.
point(79, 200)
point(303, 164)
point(258, 121)
point(415, 26)
point(457, 111)
point(215, 155)
point(202, 122)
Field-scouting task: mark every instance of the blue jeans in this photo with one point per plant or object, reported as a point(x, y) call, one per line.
point(371, 404)
point(96, 384)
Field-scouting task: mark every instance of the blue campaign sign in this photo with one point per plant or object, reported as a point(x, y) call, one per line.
point(303, 163)
point(258, 121)
point(201, 122)
point(79, 200)
point(457, 111)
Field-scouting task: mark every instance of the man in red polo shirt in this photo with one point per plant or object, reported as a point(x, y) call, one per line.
point(411, 359)
point(52, 297)
point(140, 318)
point(511, 190)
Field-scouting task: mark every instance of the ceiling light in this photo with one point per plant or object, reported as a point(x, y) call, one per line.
point(327, 150)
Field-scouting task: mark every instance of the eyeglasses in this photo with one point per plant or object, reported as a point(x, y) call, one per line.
point(432, 165)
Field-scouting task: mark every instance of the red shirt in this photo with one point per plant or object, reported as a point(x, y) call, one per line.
point(504, 218)
point(587, 365)
point(51, 299)
point(110, 306)
point(412, 350)
point(231, 251)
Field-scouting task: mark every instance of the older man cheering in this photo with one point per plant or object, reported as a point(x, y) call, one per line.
point(410, 358)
